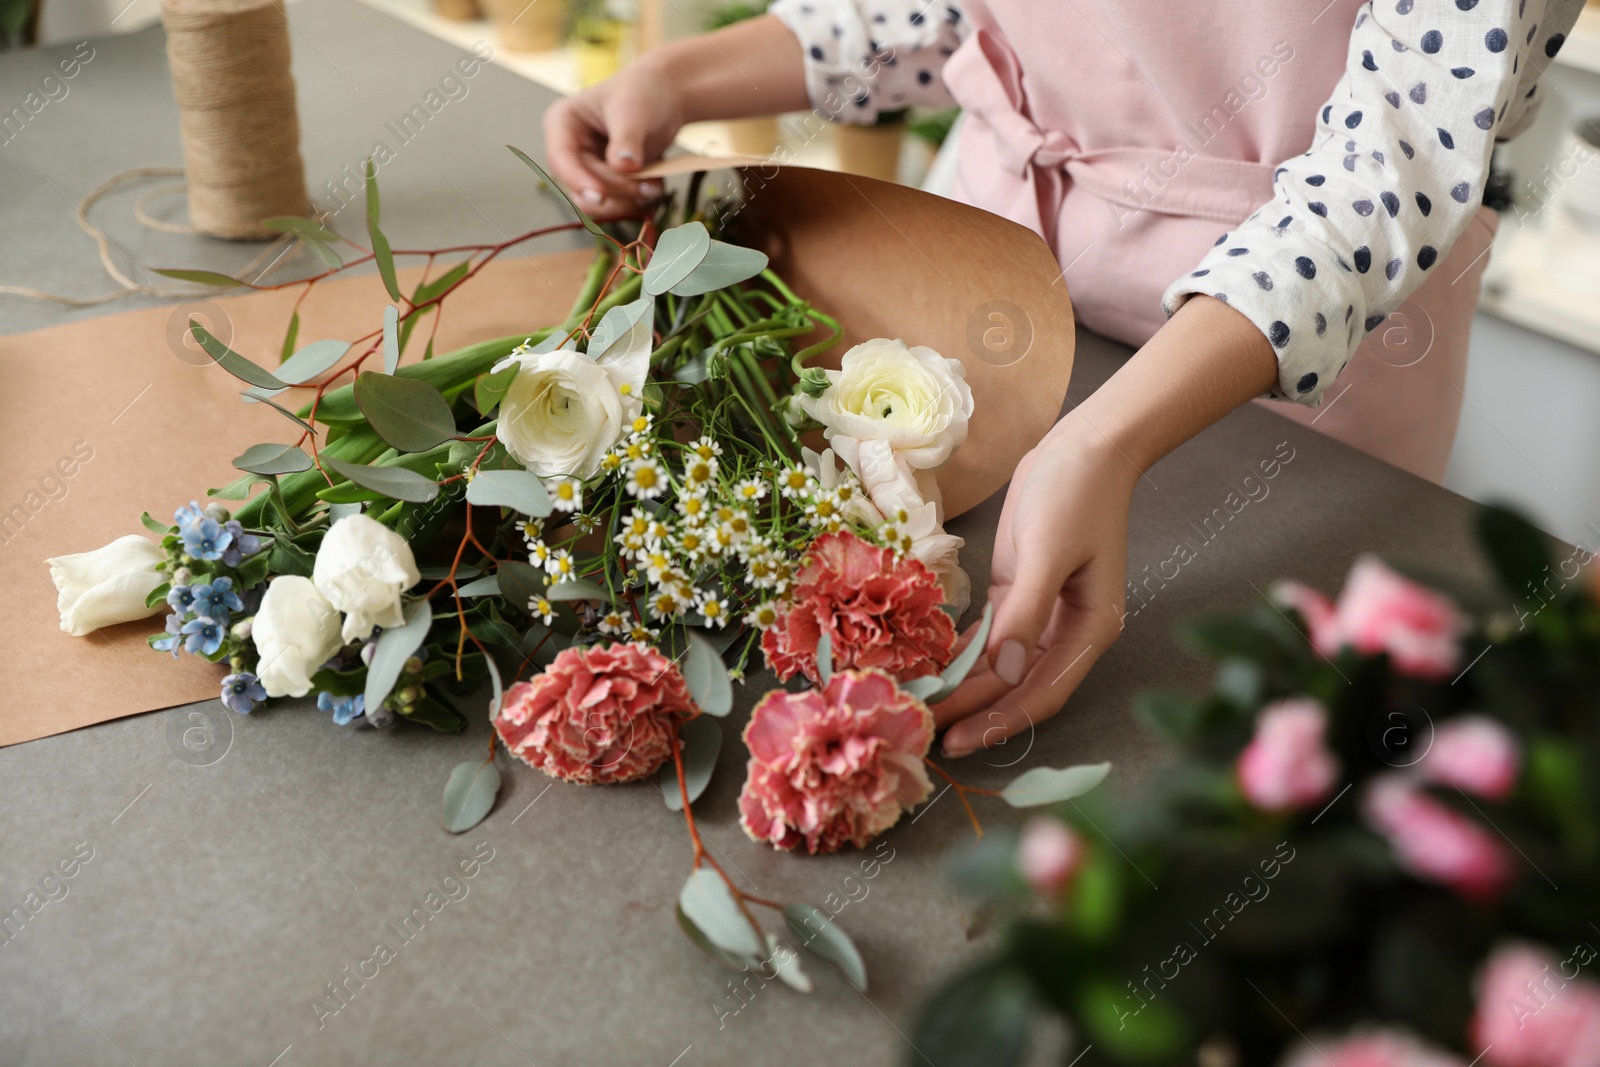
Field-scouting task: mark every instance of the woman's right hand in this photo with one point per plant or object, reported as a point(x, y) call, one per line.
point(596, 139)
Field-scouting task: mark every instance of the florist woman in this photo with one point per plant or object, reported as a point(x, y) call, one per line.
point(1244, 192)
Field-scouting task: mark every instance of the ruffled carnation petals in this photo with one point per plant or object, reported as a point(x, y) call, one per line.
point(1375, 1047)
point(1287, 764)
point(1050, 853)
point(597, 715)
point(1434, 842)
point(834, 766)
point(1475, 754)
point(1381, 611)
point(1316, 610)
point(880, 611)
point(1535, 1010)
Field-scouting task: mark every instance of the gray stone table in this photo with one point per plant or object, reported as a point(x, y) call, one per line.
point(220, 900)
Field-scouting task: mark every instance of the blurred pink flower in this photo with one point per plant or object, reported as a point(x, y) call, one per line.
point(1287, 764)
point(600, 714)
point(879, 610)
point(1380, 611)
point(834, 765)
point(1370, 1048)
point(1050, 855)
point(1434, 842)
point(1473, 753)
point(1533, 1010)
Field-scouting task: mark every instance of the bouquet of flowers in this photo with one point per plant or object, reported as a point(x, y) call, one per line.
point(608, 521)
point(1379, 845)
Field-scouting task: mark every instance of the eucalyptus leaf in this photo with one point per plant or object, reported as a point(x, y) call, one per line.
point(394, 647)
point(469, 794)
point(486, 586)
point(618, 323)
point(707, 677)
point(497, 686)
point(391, 340)
point(380, 244)
point(817, 932)
point(408, 413)
point(272, 459)
point(201, 277)
point(925, 688)
point(588, 223)
point(520, 582)
point(709, 904)
point(705, 944)
point(723, 265)
point(786, 961)
point(233, 362)
point(394, 482)
point(576, 589)
point(489, 389)
point(962, 665)
point(310, 229)
point(702, 742)
point(285, 412)
point(824, 657)
point(311, 361)
point(520, 491)
point(678, 252)
point(1051, 785)
point(154, 525)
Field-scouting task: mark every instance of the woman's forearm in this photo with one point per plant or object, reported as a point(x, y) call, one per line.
point(1204, 362)
point(750, 68)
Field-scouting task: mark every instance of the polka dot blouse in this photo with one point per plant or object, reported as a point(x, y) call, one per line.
point(1394, 174)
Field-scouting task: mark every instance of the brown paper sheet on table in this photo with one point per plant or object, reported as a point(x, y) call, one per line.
point(163, 427)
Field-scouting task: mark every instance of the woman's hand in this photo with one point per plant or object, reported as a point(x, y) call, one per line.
point(1061, 549)
point(1057, 583)
point(595, 141)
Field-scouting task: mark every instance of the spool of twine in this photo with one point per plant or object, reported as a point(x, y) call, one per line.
point(236, 108)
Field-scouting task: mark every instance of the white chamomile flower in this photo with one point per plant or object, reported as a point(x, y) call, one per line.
point(750, 490)
point(646, 479)
point(538, 553)
point(655, 532)
point(612, 622)
point(586, 524)
point(638, 449)
point(713, 607)
point(630, 542)
point(764, 616)
point(825, 509)
point(642, 633)
point(665, 603)
point(532, 530)
point(795, 482)
point(566, 494)
point(560, 566)
point(761, 570)
point(706, 448)
point(641, 423)
point(611, 462)
point(694, 508)
point(736, 527)
point(692, 543)
point(699, 473)
point(657, 565)
point(542, 609)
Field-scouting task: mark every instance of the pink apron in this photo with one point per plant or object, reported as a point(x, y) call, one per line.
point(1132, 134)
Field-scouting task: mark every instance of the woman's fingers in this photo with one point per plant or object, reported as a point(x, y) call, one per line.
point(575, 146)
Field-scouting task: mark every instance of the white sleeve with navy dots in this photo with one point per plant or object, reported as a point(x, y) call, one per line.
point(867, 57)
point(1395, 172)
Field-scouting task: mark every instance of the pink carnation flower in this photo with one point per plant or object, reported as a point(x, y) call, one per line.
point(1534, 1011)
point(1050, 855)
point(878, 609)
point(1287, 765)
point(600, 714)
point(1434, 842)
point(834, 765)
point(1380, 611)
point(1475, 754)
point(1370, 1048)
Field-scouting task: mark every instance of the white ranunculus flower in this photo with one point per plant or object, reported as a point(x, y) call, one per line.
point(108, 585)
point(564, 410)
point(913, 399)
point(940, 552)
point(295, 631)
point(362, 569)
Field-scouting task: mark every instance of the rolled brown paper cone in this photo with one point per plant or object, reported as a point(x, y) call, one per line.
point(236, 108)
